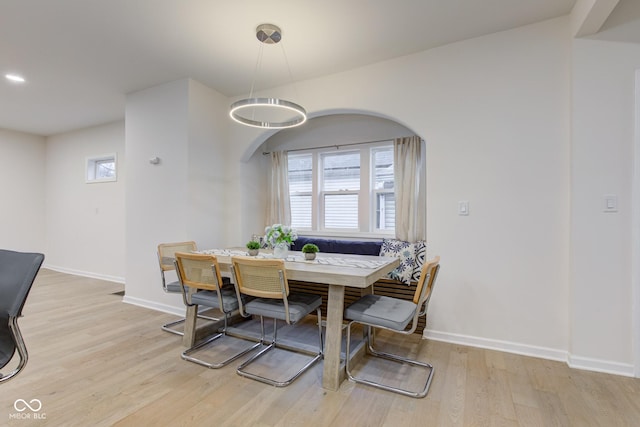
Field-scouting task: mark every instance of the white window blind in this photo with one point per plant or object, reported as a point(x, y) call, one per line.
point(300, 190)
point(340, 190)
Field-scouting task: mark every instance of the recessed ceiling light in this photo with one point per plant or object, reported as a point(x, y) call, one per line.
point(14, 78)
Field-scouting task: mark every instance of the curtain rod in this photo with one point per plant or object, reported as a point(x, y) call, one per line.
point(334, 145)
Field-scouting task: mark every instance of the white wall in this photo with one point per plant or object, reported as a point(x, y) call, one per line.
point(22, 172)
point(85, 227)
point(156, 125)
point(184, 196)
point(494, 112)
point(602, 156)
point(329, 130)
point(207, 169)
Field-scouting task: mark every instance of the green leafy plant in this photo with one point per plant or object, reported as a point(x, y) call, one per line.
point(278, 233)
point(253, 245)
point(310, 248)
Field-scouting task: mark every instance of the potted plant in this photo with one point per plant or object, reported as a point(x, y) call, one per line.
point(309, 250)
point(253, 247)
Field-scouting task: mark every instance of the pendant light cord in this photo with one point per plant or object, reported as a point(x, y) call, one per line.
point(257, 68)
point(293, 83)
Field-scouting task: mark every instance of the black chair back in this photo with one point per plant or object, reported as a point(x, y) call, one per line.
point(18, 270)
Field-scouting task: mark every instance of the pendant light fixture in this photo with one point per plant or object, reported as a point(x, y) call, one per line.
point(267, 113)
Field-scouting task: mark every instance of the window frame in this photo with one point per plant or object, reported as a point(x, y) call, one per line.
point(366, 194)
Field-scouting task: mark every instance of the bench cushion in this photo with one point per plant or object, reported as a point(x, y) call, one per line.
point(334, 246)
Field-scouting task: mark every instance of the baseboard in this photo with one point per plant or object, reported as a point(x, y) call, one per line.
point(575, 362)
point(91, 275)
point(153, 305)
point(489, 344)
point(605, 366)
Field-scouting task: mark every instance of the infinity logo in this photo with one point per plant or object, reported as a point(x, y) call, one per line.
point(21, 405)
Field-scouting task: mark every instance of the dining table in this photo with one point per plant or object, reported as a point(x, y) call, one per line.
point(336, 271)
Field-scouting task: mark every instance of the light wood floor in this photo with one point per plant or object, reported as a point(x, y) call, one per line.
point(95, 361)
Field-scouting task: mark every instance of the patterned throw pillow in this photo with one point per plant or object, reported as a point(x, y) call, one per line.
point(421, 256)
point(406, 252)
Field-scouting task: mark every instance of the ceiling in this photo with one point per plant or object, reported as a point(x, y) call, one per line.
point(81, 57)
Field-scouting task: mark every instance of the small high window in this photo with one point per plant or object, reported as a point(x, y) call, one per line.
point(102, 168)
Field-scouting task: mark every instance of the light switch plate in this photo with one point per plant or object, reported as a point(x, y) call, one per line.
point(610, 203)
point(463, 208)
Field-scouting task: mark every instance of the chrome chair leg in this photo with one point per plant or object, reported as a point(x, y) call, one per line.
point(186, 355)
point(168, 327)
point(20, 347)
point(389, 356)
point(273, 344)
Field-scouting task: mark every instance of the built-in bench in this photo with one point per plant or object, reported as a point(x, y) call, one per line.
point(388, 287)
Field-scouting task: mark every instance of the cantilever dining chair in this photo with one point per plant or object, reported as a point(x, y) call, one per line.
point(18, 270)
point(202, 274)
point(393, 314)
point(266, 281)
point(166, 256)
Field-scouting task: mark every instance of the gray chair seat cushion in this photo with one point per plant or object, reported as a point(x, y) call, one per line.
point(377, 310)
point(175, 286)
point(300, 304)
point(210, 299)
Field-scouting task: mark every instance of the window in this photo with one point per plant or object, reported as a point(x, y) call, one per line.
point(343, 191)
point(101, 169)
point(383, 191)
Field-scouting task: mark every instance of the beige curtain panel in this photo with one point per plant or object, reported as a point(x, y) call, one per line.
point(279, 207)
point(409, 189)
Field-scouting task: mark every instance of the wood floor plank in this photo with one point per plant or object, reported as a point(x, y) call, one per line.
point(452, 405)
point(97, 361)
